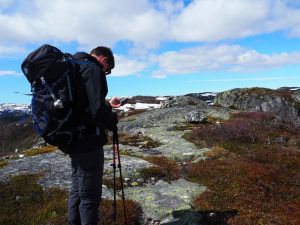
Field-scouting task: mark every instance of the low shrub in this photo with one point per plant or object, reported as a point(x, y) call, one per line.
point(255, 128)
point(263, 192)
point(165, 168)
point(24, 202)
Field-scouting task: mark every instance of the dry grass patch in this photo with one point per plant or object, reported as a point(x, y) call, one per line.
point(136, 140)
point(42, 150)
point(109, 182)
point(3, 163)
point(24, 202)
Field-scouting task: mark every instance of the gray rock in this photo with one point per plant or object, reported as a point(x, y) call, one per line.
point(40, 142)
point(130, 165)
point(186, 217)
point(183, 101)
point(55, 165)
point(160, 200)
point(284, 104)
point(196, 116)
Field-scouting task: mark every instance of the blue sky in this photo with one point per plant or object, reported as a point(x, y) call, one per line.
point(162, 47)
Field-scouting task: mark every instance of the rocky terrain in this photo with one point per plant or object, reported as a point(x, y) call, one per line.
point(283, 102)
point(163, 201)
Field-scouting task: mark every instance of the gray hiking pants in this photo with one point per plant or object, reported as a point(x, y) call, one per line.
point(86, 189)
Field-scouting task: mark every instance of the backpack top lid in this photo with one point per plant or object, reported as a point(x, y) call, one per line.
point(39, 61)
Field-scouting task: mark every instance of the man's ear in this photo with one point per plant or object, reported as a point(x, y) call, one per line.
point(102, 59)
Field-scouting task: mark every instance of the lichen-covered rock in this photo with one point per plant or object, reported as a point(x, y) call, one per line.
point(160, 125)
point(283, 103)
point(196, 116)
point(160, 200)
point(183, 101)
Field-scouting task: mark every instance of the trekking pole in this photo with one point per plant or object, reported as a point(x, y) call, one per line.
point(114, 168)
point(116, 141)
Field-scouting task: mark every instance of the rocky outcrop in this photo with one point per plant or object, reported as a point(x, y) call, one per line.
point(183, 101)
point(284, 103)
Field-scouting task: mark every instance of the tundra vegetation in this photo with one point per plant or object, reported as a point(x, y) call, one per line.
point(253, 168)
point(25, 202)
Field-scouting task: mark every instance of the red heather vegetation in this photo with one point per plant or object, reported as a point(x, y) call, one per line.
point(165, 168)
point(254, 169)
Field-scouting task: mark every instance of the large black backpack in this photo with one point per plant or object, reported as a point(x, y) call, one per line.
point(52, 75)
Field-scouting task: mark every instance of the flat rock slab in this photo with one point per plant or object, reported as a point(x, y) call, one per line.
point(130, 165)
point(160, 200)
point(55, 166)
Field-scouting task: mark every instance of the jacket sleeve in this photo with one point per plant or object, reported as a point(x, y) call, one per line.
point(96, 90)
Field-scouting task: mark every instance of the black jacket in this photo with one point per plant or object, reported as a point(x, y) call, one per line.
point(94, 112)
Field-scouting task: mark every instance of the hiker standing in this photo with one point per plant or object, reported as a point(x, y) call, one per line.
point(87, 157)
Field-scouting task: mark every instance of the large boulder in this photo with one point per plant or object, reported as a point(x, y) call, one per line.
point(285, 103)
point(196, 116)
point(183, 101)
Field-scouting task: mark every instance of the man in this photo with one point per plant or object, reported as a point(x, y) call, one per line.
point(95, 115)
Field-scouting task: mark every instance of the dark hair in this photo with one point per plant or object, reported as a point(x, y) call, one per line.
point(106, 52)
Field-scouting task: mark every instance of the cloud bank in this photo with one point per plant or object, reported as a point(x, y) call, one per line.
point(232, 58)
point(147, 24)
point(144, 23)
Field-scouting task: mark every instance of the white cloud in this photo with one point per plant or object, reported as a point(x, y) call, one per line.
point(222, 57)
point(88, 22)
point(249, 79)
point(9, 73)
point(4, 4)
point(127, 67)
point(144, 23)
point(215, 20)
point(7, 49)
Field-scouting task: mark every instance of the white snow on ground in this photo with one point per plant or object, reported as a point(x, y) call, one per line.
point(161, 98)
point(138, 105)
point(208, 94)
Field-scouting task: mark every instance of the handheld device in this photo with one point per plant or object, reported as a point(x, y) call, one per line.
point(123, 101)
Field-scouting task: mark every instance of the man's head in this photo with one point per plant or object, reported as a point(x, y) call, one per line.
point(105, 57)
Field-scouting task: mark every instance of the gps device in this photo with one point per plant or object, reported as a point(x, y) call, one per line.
point(123, 101)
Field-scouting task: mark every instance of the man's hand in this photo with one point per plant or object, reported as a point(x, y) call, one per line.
point(115, 102)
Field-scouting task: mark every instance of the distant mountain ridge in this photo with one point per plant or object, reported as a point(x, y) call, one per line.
point(16, 109)
point(9, 109)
